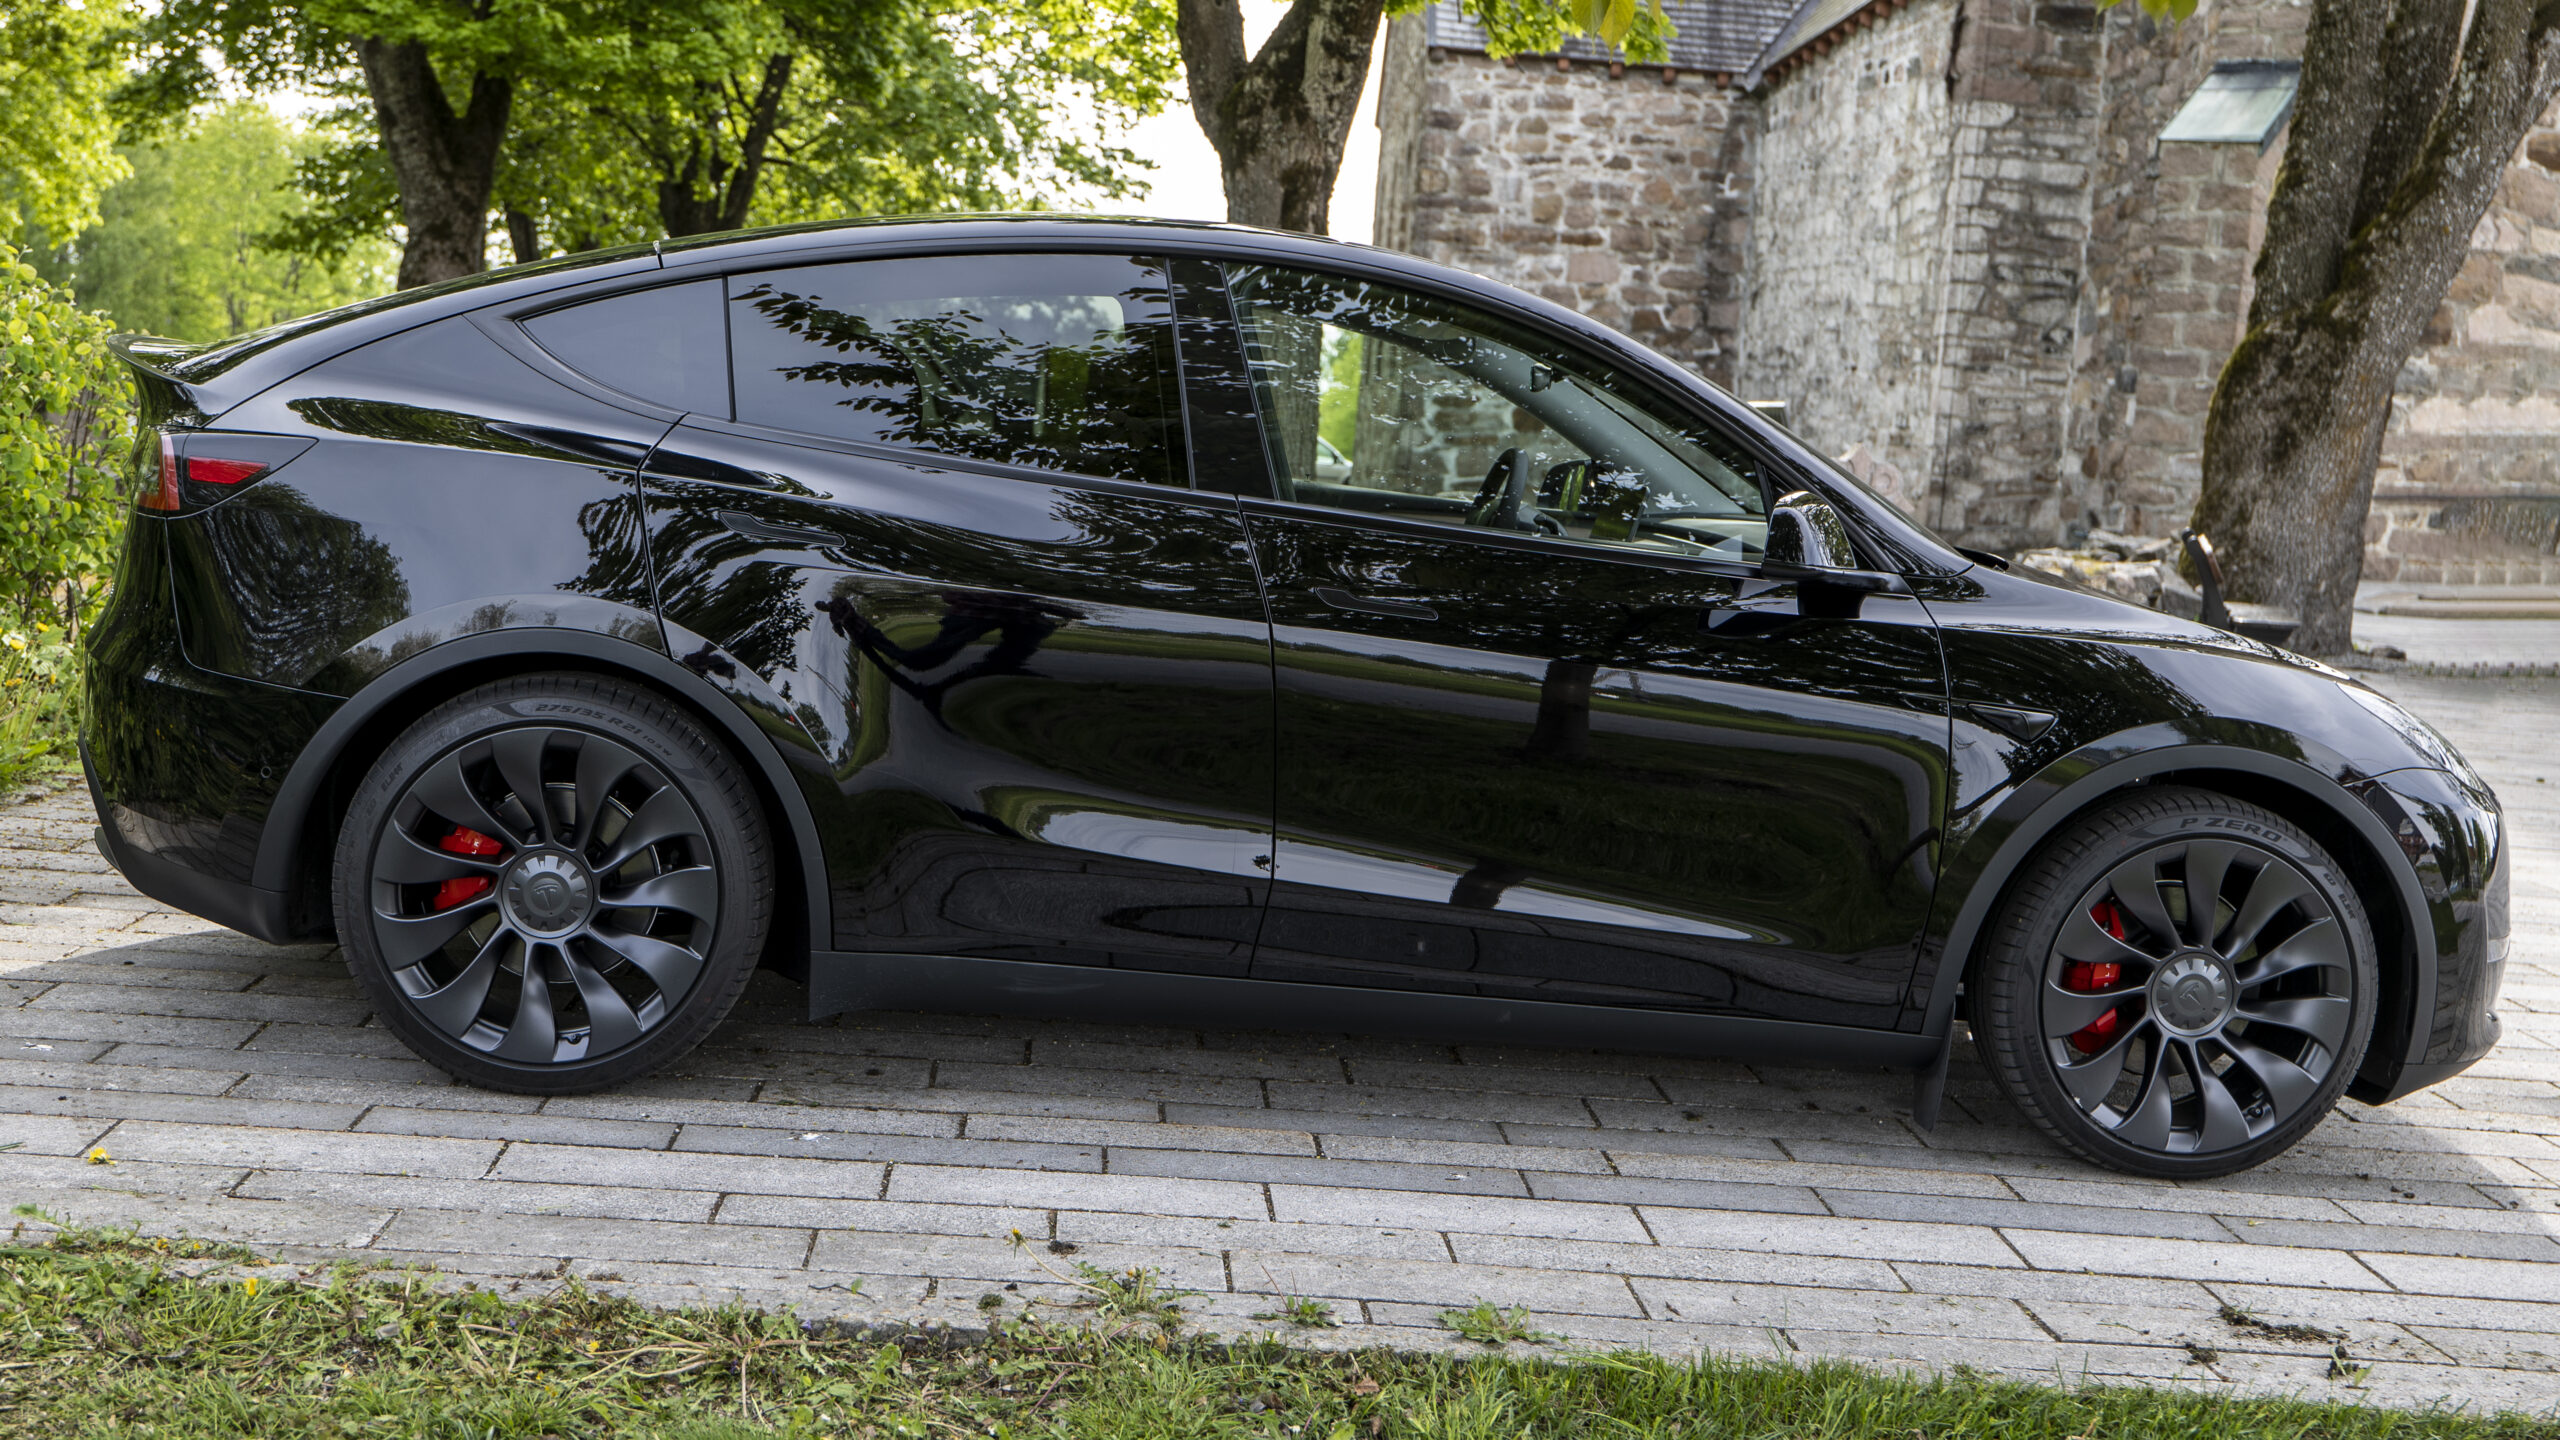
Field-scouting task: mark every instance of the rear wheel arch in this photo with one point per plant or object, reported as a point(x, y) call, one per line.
point(295, 856)
point(2342, 825)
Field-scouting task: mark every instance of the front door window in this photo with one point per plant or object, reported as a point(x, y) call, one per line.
point(1381, 400)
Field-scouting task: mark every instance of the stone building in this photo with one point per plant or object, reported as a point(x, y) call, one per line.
point(1964, 234)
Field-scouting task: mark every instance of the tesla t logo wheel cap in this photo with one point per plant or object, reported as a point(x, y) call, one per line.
point(2192, 993)
point(548, 894)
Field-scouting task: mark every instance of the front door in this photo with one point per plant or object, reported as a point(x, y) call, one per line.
point(949, 536)
point(1545, 731)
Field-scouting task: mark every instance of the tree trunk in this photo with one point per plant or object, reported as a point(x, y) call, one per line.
point(523, 237)
point(1280, 119)
point(731, 190)
point(443, 163)
point(2395, 156)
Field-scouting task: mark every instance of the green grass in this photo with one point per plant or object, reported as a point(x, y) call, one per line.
point(101, 1336)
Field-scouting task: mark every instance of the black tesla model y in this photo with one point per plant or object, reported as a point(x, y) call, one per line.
point(1185, 623)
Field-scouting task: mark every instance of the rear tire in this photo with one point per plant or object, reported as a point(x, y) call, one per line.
point(2179, 985)
point(571, 827)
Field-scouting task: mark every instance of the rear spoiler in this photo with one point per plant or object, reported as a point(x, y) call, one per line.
point(166, 399)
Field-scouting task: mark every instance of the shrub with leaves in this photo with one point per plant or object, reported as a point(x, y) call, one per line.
point(66, 427)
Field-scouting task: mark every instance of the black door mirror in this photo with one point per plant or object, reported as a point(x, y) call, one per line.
point(1806, 533)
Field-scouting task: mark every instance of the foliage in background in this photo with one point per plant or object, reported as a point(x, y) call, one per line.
point(584, 122)
point(57, 65)
point(177, 250)
point(66, 428)
point(105, 1338)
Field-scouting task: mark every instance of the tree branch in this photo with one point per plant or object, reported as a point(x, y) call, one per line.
point(1213, 60)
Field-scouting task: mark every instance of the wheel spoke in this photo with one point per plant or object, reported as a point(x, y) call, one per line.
point(2322, 1017)
point(2083, 939)
point(2147, 1123)
point(2067, 1011)
point(662, 816)
point(534, 1036)
point(452, 1006)
point(2274, 886)
point(2318, 945)
point(402, 860)
point(601, 765)
point(2136, 884)
point(2207, 862)
point(518, 754)
point(406, 940)
point(694, 890)
point(671, 968)
point(2224, 1125)
point(445, 791)
point(2289, 1086)
point(610, 1023)
point(2091, 1079)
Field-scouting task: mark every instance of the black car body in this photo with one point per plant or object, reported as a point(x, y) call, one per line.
point(1094, 721)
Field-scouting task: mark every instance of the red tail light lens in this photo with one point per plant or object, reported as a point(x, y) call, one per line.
point(200, 467)
point(165, 497)
point(206, 470)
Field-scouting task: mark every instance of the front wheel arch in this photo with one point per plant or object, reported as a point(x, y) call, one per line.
point(2342, 825)
point(295, 851)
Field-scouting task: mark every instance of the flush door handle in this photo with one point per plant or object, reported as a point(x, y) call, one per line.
point(1341, 599)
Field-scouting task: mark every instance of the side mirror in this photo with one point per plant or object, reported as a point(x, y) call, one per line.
point(1806, 533)
point(1808, 541)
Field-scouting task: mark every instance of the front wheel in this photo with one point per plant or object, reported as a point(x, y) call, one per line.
point(2180, 985)
point(553, 884)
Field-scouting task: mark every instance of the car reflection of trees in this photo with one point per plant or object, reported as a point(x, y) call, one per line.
point(283, 587)
point(956, 383)
point(1811, 753)
point(1019, 623)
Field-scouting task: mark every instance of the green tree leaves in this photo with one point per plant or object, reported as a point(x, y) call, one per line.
point(57, 64)
point(180, 248)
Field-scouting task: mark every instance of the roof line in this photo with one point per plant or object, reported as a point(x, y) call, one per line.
point(1769, 54)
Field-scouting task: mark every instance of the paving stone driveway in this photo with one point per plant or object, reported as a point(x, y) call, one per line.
point(873, 1167)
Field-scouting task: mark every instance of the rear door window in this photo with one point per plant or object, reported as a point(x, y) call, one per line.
point(1057, 362)
point(662, 345)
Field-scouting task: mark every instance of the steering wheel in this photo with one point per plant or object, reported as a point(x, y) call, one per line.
point(1497, 502)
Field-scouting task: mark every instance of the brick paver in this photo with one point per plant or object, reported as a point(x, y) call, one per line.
point(875, 1167)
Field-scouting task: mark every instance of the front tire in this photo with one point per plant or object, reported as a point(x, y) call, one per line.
point(553, 884)
point(2179, 985)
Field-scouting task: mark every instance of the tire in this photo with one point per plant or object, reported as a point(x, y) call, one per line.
point(2146, 1042)
point(448, 886)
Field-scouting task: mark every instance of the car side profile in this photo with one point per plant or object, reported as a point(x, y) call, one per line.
point(1184, 623)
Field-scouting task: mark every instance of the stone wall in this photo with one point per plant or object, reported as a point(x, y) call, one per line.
point(1601, 188)
point(2469, 489)
point(1949, 233)
point(2174, 229)
point(1845, 279)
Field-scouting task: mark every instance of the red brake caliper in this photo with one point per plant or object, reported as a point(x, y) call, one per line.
point(2085, 975)
point(464, 841)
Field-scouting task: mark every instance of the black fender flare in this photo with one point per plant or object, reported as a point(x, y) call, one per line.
point(279, 845)
point(2043, 803)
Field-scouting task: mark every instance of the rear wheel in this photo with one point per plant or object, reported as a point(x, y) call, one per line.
point(553, 884)
point(2180, 985)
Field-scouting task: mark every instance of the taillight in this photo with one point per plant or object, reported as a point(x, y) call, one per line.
point(200, 467)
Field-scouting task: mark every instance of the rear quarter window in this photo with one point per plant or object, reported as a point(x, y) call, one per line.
point(664, 345)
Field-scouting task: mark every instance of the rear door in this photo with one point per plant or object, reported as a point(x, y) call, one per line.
point(1545, 729)
point(947, 542)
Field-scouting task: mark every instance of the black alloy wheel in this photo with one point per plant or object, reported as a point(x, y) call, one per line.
point(2181, 985)
point(553, 884)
